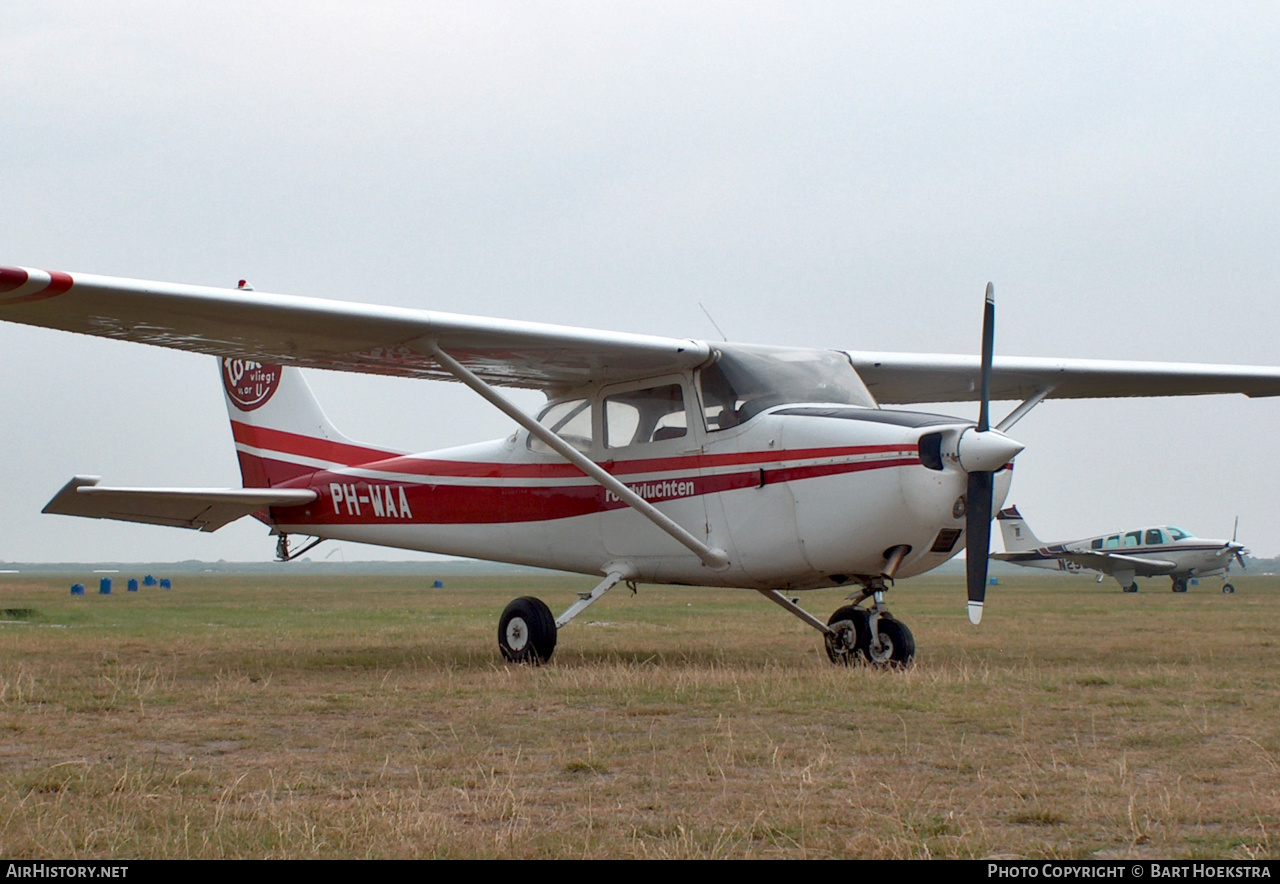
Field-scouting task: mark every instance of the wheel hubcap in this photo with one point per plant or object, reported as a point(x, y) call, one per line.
point(881, 648)
point(517, 634)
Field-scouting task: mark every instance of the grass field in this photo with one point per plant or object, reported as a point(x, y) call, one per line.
point(372, 717)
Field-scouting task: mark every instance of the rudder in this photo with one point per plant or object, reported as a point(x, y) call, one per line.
point(1013, 528)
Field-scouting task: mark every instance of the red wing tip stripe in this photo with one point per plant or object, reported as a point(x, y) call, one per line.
point(19, 285)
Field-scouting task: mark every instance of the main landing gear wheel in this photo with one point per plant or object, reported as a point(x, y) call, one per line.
point(1132, 587)
point(1228, 589)
point(1179, 586)
point(527, 632)
point(847, 644)
point(893, 644)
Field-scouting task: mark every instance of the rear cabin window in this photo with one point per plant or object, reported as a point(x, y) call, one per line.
point(1097, 544)
point(652, 414)
point(1133, 538)
point(1113, 542)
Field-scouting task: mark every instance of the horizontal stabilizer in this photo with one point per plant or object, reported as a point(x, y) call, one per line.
point(203, 509)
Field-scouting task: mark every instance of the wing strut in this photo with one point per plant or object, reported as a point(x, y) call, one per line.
point(716, 559)
point(1027, 404)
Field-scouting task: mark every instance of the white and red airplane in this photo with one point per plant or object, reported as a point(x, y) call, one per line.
point(656, 459)
point(1160, 551)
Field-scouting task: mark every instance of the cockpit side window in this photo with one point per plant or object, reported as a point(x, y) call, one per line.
point(651, 414)
point(570, 420)
point(1154, 537)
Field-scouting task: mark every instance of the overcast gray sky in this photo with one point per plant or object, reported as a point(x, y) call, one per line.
point(822, 174)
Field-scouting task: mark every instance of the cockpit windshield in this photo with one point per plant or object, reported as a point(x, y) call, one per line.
point(744, 380)
point(1178, 533)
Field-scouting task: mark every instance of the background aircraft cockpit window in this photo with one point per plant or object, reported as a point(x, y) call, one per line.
point(1133, 538)
point(1178, 533)
point(745, 380)
point(652, 414)
point(570, 420)
point(1154, 536)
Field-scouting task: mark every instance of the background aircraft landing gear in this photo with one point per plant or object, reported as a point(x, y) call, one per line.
point(1228, 589)
point(527, 632)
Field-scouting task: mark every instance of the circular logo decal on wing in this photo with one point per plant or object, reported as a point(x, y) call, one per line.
point(249, 384)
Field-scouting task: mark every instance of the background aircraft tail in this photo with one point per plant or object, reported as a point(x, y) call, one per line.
point(1017, 536)
point(280, 431)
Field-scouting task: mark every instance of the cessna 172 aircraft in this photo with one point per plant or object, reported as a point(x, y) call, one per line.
point(662, 460)
point(1163, 551)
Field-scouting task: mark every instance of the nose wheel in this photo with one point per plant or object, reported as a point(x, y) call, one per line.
point(856, 634)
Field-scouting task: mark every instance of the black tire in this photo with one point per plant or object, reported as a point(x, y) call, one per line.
point(844, 649)
point(527, 632)
point(1132, 587)
point(1179, 586)
point(896, 648)
point(1228, 589)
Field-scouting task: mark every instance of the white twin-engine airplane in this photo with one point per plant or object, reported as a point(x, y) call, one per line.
point(656, 459)
point(1164, 551)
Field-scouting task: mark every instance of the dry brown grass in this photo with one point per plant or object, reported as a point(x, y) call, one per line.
point(241, 717)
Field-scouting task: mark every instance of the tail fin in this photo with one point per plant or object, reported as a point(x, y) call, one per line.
point(1017, 536)
point(279, 429)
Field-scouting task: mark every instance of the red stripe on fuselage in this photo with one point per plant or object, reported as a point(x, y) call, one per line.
point(282, 442)
point(493, 503)
point(307, 446)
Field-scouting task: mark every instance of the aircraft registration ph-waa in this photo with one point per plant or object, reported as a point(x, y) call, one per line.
point(656, 459)
point(1163, 551)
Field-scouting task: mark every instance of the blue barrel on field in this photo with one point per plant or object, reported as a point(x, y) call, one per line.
point(994, 581)
point(77, 589)
point(133, 584)
point(439, 584)
point(165, 584)
point(104, 586)
point(148, 581)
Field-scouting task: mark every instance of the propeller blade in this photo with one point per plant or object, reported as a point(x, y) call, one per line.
point(977, 544)
point(988, 354)
point(977, 524)
point(1234, 529)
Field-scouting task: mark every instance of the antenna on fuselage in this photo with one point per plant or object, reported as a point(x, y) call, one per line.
point(723, 336)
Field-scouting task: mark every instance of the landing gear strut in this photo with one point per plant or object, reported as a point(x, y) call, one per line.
point(856, 633)
point(527, 631)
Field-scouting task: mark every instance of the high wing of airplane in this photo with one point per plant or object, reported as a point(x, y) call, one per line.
point(655, 459)
point(1162, 551)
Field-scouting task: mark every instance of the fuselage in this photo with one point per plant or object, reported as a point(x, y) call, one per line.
point(800, 496)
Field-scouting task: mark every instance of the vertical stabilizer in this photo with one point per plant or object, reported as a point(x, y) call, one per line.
point(1013, 528)
point(280, 431)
